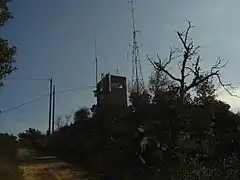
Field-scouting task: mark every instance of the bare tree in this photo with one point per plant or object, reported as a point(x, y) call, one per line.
point(59, 122)
point(189, 66)
point(63, 121)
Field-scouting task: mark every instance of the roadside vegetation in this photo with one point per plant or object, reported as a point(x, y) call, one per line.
point(176, 129)
point(9, 158)
point(8, 143)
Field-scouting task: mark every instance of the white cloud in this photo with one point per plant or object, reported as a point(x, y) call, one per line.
point(233, 101)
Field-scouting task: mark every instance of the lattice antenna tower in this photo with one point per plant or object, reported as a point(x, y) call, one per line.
point(137, 76)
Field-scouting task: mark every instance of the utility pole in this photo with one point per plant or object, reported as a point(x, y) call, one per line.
point(53, 110)
point(50, 107)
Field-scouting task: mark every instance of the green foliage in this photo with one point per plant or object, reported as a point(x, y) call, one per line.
point(140, 101)
point(205, 92)
point(8, 158)
point(159, 142)
point(82, 114)
point(7, 51)
point(173, 134)
point(8, 146)
point(163, 140)
point(4, 13)
point(30, 138)
point(158, 82)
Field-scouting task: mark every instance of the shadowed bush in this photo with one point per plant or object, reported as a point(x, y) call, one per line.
point(8, 158)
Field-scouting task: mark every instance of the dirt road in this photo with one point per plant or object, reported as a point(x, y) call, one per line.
point(36, 167)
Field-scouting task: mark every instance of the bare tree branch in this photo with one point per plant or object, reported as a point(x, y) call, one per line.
point(188, 29)
point(184, 35)
point(171, 52)
point(196, 70)
point(183, 42)
point(161, 67)
point(226, 86)
point(190, 69)
point(199, 80)
point(218, 65)
point(193, 51)
point(187, 75)
point(189, 52)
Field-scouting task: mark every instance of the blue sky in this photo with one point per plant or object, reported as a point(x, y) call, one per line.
point(56, 39)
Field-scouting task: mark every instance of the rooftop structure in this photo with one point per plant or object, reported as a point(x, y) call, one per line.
point(112, 92)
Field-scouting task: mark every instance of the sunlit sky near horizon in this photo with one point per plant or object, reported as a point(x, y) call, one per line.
point(56, 39)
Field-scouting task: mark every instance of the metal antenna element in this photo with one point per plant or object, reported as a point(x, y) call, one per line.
point(96, 59)
point(137, 76)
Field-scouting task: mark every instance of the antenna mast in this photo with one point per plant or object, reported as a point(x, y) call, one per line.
point(96, 60)
point(137, 76)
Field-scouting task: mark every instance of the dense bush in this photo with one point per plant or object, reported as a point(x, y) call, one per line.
point(179, 131)
point(8, 158)
point(161, 141)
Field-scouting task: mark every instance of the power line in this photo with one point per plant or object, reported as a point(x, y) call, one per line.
point(29, 79)
point(25, 103)
point(72, 90)
point(43, 96)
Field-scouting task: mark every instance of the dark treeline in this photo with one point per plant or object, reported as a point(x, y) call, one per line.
point(9, 158)
point(173, 131)
point(8, 143)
